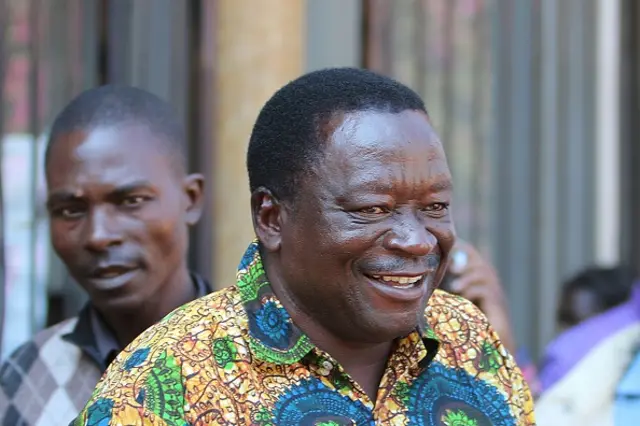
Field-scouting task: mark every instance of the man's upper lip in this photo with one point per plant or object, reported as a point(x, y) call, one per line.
point(397, 274)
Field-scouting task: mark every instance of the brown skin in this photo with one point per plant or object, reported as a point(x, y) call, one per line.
point(376, 202)
point(117, 196)
point(479, 283)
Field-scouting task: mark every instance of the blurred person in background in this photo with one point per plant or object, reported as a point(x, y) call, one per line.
point(592, 292)
point(585, 369)
point(627, 400)
point(583, 299)
point(120, 203)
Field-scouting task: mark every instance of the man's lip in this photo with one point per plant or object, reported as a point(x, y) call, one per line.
point(398, 274)
point(400, 294)
point(109, 270)
point(107, 283)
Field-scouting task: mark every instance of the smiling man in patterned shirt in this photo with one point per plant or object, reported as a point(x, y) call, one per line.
point(335, 318)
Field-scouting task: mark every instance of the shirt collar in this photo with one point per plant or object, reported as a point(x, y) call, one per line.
point(273, 337)
point(96, 339)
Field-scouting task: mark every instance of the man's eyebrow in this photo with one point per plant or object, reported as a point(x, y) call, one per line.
point(131, 187)
point(442, 185)
point(63, 196)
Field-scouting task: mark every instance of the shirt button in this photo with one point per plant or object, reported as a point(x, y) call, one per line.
point(327, 365)
point(324, 371)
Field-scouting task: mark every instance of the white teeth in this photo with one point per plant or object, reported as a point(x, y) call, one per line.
point(399, 280)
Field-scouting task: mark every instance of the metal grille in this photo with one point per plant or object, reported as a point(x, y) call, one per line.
point(509, 87)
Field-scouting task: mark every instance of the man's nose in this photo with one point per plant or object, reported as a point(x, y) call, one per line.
point(102, 231)
point(411, 237)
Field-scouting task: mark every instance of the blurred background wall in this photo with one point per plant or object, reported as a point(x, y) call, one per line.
point(536, 102)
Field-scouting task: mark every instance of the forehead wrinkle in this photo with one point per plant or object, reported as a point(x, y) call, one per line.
point(407, 178)
point(361, 153)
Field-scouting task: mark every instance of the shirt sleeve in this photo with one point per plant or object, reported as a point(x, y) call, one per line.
point(521, 400)
point(143, 387)
point(503, 370)
point(529, 371)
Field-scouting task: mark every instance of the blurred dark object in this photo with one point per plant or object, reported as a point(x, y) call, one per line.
point(55, 309)
point(446, 282)
point(459, 260)
point(593, 291)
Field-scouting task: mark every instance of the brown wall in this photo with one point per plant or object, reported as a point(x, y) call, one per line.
point(259, 47)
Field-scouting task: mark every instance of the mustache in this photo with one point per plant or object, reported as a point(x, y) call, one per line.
point(430, 262)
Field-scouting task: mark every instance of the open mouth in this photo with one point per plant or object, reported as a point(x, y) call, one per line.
point(111, 272)
point(399, 281)
point(112, 277)
point(402, 288)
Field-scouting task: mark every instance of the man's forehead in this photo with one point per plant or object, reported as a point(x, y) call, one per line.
point(367, 139)
point(97, 142)
point(109, 147)
point(104, 158)
point(397, 153)
point(374, 137)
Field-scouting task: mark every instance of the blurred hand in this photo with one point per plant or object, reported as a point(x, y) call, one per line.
point(477, 280)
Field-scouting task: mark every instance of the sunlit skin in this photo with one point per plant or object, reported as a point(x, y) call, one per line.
point(375, 204)
point(120, 207)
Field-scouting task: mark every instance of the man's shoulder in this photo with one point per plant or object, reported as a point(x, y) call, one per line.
point(38, 370)
point(42, 341)
point(209, 315)
point(213, 308)
point(444, 303)
point(452, 318)
point(168, 350)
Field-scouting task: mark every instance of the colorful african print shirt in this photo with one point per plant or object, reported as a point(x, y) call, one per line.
point(236, 358)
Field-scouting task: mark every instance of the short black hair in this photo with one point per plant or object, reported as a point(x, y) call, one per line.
point(119, 104)
point(611, 286)
point(288, 133)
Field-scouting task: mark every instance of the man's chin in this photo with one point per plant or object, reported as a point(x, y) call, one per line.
point(389, 327)
point(128, 296)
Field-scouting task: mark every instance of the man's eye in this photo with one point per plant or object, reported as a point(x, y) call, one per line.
point(134, 200)
point(437, 207)
point(374, 210)
point(69, 212)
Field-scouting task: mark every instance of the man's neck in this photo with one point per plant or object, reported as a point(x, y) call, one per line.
point(364, 362)
point(129, 324)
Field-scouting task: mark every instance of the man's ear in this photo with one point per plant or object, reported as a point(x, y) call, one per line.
point(266, 212)
point(194, 190)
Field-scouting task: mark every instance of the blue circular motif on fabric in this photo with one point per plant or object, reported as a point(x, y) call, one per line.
point(440, 392)
point(274, 323)
point(248, 256)
point(311, 403)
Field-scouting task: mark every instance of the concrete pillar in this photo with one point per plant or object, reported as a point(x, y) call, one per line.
point(259, 46)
